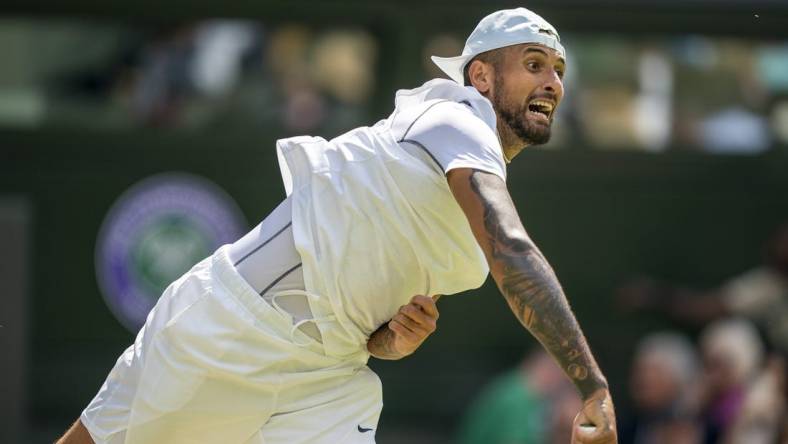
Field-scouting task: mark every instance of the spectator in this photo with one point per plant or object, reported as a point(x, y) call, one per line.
point(732, 354)
point(532, 404)
point(664, 373)
point(762, 418)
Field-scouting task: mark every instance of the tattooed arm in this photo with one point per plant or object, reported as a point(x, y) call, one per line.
point(531, 289)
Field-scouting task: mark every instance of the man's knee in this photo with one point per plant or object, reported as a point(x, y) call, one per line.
point(77, 434)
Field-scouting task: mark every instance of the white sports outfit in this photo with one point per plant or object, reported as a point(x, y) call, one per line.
point(265, 341)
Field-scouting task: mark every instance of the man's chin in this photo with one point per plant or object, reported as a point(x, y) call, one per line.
point(537, 136)
point(537, 142)
point(536, 132)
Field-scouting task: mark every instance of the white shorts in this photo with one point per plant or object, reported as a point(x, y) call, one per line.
point(217, 363)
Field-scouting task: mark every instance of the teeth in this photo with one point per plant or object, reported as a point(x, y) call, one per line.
point(546, 106)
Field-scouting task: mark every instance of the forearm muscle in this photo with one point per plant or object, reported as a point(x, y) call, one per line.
point(532, 290)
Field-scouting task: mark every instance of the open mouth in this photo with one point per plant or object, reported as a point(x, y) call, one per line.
point(541, 108)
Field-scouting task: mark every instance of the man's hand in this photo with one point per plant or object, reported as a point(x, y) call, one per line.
point(406, 331)
point(413, 323)
point(596, 422)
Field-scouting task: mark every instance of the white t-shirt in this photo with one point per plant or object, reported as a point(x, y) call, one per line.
point(451, 135)
point(374, 219)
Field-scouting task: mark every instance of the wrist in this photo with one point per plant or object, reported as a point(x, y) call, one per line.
point(592, 386)
point(386, 354)
point(382, 344)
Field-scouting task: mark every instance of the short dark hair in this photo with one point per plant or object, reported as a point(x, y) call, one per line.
point(493, 57)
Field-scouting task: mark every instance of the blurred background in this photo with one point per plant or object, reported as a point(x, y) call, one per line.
point(136, 137)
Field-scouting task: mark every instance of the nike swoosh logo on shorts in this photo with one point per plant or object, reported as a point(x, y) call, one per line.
point(363, 430)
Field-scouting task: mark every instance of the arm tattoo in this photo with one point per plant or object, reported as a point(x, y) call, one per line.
point(531, 287)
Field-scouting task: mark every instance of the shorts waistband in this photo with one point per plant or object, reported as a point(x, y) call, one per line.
point(282, 321)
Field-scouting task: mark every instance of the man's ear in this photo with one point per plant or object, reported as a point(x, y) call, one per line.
point(481, 76)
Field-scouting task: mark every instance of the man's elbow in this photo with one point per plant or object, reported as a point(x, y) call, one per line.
point(511, 253)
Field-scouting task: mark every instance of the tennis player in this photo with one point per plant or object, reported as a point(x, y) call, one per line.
point(267, 340)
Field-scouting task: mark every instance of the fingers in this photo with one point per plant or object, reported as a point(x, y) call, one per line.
point(427, 304)
point(412, 325)
point(401, 330)
point(589, 434)
point(596, 423)
point(584, 432)
point(417, 319)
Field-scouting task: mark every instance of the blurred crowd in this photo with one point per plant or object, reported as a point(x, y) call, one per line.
point(704, 93)
point(707, 93)
point(233, 74)
point(737, 394)
point(236, 74)
point(724, 390)
point(727, 390)
point(531, 404)
point(729, 386)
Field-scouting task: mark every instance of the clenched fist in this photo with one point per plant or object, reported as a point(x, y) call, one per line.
point(413, 323)
point(596, 422)
point(406, 331)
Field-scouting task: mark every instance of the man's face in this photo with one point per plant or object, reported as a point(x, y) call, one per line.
point(653, 384)
point(527, 90)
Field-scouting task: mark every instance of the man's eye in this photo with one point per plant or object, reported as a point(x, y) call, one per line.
point(534, 66)
point(560, 73)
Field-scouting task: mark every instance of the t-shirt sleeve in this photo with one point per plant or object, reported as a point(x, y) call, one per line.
point(455, 137)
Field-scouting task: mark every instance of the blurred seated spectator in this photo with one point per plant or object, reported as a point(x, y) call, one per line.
point(564, 405)
point(740, 402)
point(763, 415)
point(532, 404)
point(664, 374)
point(760, 295)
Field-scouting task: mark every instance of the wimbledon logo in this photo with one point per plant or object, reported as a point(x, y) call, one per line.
point(156, 231)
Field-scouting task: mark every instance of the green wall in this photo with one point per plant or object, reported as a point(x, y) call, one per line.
point(599, 217)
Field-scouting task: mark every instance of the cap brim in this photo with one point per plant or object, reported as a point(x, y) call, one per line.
point(452, 66)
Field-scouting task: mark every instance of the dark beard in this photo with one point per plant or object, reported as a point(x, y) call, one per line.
point(515, 117)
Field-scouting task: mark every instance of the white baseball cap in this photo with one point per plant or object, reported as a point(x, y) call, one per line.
point(499, 29)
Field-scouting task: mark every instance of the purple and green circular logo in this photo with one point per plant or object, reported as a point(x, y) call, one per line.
point(156, 231)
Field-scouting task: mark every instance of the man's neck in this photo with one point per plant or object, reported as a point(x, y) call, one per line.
point(511, 144)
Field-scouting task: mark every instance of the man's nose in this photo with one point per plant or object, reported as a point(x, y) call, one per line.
point(553, 84)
